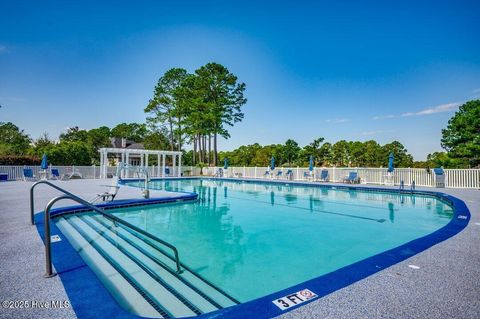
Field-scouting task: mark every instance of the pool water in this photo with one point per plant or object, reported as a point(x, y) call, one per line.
point(252, 239)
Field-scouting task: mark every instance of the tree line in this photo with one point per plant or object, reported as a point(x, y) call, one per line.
point(73, 147)
point(195, 109)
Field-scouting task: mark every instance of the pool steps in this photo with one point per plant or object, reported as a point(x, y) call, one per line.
point(141, 276)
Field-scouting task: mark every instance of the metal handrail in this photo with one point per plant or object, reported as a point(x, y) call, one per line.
point(79, 200)
point(125, 167)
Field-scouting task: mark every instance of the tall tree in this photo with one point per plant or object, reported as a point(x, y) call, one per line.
point(314, 150)
point(74, 134)
point(131, 131)
point(291, 151)
point(13, 141)
point(224, 98)
point(341, 153)
point(400, 153)
point(165, 108)
point(461, 138)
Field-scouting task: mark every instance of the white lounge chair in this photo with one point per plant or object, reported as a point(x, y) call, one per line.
point(111, 193)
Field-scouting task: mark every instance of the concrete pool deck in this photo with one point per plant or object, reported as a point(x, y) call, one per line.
point(447, 284)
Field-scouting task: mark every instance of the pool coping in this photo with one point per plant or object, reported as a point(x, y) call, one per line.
point(262, 307)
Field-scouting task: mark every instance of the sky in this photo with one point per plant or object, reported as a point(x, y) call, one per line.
point(353, 70)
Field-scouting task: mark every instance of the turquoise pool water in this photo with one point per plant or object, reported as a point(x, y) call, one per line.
point(252, 239)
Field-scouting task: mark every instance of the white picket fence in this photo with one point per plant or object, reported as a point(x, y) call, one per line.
point(454, 178)
point(16, 172)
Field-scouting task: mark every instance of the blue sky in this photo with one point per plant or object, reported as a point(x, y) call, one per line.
point(345, 70)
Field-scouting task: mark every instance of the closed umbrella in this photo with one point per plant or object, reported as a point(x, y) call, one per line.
point(44, 164)
point(310, 165)
point(272, 163)
point(390, 162)
point(225, 163)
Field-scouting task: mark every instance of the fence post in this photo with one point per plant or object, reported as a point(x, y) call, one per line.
point(334, 177)
point(297, 174)
point(255, 173)
point(94, 175)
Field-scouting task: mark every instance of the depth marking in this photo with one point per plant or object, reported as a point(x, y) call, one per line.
point(294, 299)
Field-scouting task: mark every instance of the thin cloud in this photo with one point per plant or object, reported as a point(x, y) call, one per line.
point(434, 110)
point(16, 99)
point(370, 133)
point(476, 91)
point(3, 48)
point(383, 117)
point(337, 120)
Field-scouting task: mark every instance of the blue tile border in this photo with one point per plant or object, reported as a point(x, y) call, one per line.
point(90, 299)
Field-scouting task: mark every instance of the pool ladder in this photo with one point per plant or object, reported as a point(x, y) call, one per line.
point(402, 185)
point(68, 195)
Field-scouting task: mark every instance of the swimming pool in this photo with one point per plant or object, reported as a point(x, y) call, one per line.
point(254, 239)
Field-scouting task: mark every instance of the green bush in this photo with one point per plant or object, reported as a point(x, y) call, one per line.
point(19, 160)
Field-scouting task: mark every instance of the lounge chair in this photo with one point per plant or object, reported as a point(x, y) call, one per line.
point(352, 178)
point(28, 175)
point(323, 176)
point(167, 171)
point(289, 175)
point(307, 175)
point(55, 174)
point(279, 174)
point(266, 174)
point(219, 173)
point(111, 193)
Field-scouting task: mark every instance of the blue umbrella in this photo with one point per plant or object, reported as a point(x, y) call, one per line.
point(225, 163)
point(44, 164)
point(272, 163)
point(310, 165)
point(390, 162)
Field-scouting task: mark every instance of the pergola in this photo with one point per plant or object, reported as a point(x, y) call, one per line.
point(125, 158)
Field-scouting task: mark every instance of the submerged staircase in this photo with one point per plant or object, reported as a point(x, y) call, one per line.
point(138, 272)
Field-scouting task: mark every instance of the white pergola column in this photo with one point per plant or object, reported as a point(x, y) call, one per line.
point(105, 164)
point(101, 163)
point(179, 165)
point(163, 165)
point(124, 155)
point(123, 162)
point(127, 161)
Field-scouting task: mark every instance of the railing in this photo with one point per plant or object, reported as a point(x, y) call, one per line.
point(454, 178)
point(68, 195)
point(93, 172)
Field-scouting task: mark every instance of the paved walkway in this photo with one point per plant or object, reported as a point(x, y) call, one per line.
point(22, 253)
point(447, 284)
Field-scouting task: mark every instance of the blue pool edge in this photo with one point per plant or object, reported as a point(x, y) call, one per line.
point(89, 298)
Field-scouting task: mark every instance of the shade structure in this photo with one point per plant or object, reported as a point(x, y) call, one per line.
point(44, 164)
point(225, 163)
point(390, 162)
point(272, 163)
point(310, 164)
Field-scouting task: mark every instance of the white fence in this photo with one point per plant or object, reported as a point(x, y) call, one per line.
point(454, 178)
point(16, 172)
